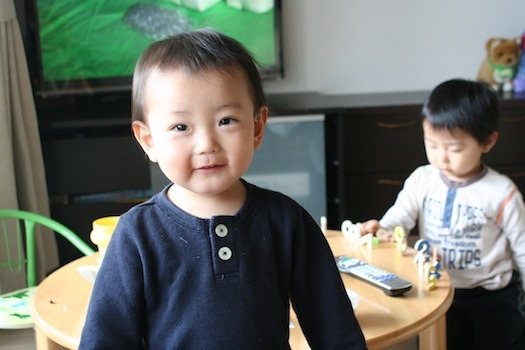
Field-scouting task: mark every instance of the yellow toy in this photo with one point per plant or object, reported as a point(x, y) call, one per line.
point(400, 239)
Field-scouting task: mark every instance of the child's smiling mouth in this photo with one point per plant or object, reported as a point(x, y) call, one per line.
point(210, 168)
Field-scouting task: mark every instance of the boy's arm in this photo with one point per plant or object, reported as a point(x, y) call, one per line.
point(406, 207)
point(403, 213)
point(115, 319)
point(318, 295)
point(513, 225)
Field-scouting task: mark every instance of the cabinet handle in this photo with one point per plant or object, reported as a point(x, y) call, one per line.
point(396, 125)
point(513, 119)
point(390, 182)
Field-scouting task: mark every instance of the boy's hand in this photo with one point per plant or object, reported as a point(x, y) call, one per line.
point(370, 226)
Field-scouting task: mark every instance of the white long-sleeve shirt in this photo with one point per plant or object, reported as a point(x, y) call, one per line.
point(478, 226)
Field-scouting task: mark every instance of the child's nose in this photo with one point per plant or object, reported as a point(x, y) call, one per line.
point(443, 156)
point(206, 143)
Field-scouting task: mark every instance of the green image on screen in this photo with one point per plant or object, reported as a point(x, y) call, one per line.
point(94, 39)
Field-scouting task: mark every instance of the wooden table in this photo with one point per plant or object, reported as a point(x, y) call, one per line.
point(387, 320)
point(60, 305)
point(61, 300)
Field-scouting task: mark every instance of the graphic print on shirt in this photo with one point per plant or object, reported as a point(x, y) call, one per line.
point(456, 228)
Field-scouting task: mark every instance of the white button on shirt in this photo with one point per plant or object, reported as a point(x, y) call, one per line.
point(225, 253)
point(221, 230)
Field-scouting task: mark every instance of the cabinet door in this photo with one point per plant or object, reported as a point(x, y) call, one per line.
point(375, 140)
point(369, 196)
point(377, 149)
point(94, 165)
point(510, 147)
point(91, 166)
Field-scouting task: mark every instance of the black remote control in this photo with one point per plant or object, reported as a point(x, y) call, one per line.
point(388, 282)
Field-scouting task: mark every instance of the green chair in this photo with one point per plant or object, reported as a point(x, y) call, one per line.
point(15, 308)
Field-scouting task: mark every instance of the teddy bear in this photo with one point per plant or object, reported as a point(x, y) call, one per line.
point(499, 66)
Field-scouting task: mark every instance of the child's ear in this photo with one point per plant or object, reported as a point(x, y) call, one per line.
point(261, 118)
point(143, 136)
point(491, 141)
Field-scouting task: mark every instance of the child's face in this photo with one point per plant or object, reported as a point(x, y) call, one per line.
point(457, 154)
point(201, 128)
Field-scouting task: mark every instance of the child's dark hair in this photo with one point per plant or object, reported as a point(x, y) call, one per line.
point(193, 52)
point(468, 105)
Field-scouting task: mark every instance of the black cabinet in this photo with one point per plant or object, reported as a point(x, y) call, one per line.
point(372, 143)
point(94, 165)
point(378, 148)
point(508, 155)
point(89, 151)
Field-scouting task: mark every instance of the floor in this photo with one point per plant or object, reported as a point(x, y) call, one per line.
point(17, 339)
point(25, 340)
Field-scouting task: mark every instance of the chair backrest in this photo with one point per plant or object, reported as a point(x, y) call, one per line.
point(24, 222)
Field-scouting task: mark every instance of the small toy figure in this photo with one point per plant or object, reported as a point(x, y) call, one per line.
point(433, 275)
point(324, 224)
point(351, 230)
point(400, 239)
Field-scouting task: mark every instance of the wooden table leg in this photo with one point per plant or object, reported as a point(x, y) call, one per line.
point(435, 336)
point(44, 343)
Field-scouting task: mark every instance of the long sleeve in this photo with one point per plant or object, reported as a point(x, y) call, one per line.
point(115, 318)
point(409, 201)
point(513, 225)
point(318, 294)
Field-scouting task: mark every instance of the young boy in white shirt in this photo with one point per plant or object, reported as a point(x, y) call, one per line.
point(472, 214)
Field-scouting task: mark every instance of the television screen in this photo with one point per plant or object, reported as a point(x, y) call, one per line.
point(85, 46)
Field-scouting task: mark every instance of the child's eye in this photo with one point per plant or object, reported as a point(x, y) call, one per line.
point(227, 121)
point(180, 127)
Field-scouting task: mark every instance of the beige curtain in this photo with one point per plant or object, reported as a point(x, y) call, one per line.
point(22, 177)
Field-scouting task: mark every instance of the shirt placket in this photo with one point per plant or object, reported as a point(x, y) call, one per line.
point(223, 246)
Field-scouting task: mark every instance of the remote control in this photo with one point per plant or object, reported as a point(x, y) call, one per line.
point(388, 282)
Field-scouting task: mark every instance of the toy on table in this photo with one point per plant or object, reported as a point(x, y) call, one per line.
point(433, 275)
point(390, 283)
point(499, 67)
point(400, 239)
point(323, 224)
point(423, 247)
point(353, 232)
point(428, 266)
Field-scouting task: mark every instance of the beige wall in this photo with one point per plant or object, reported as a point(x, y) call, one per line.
point(361, 46)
